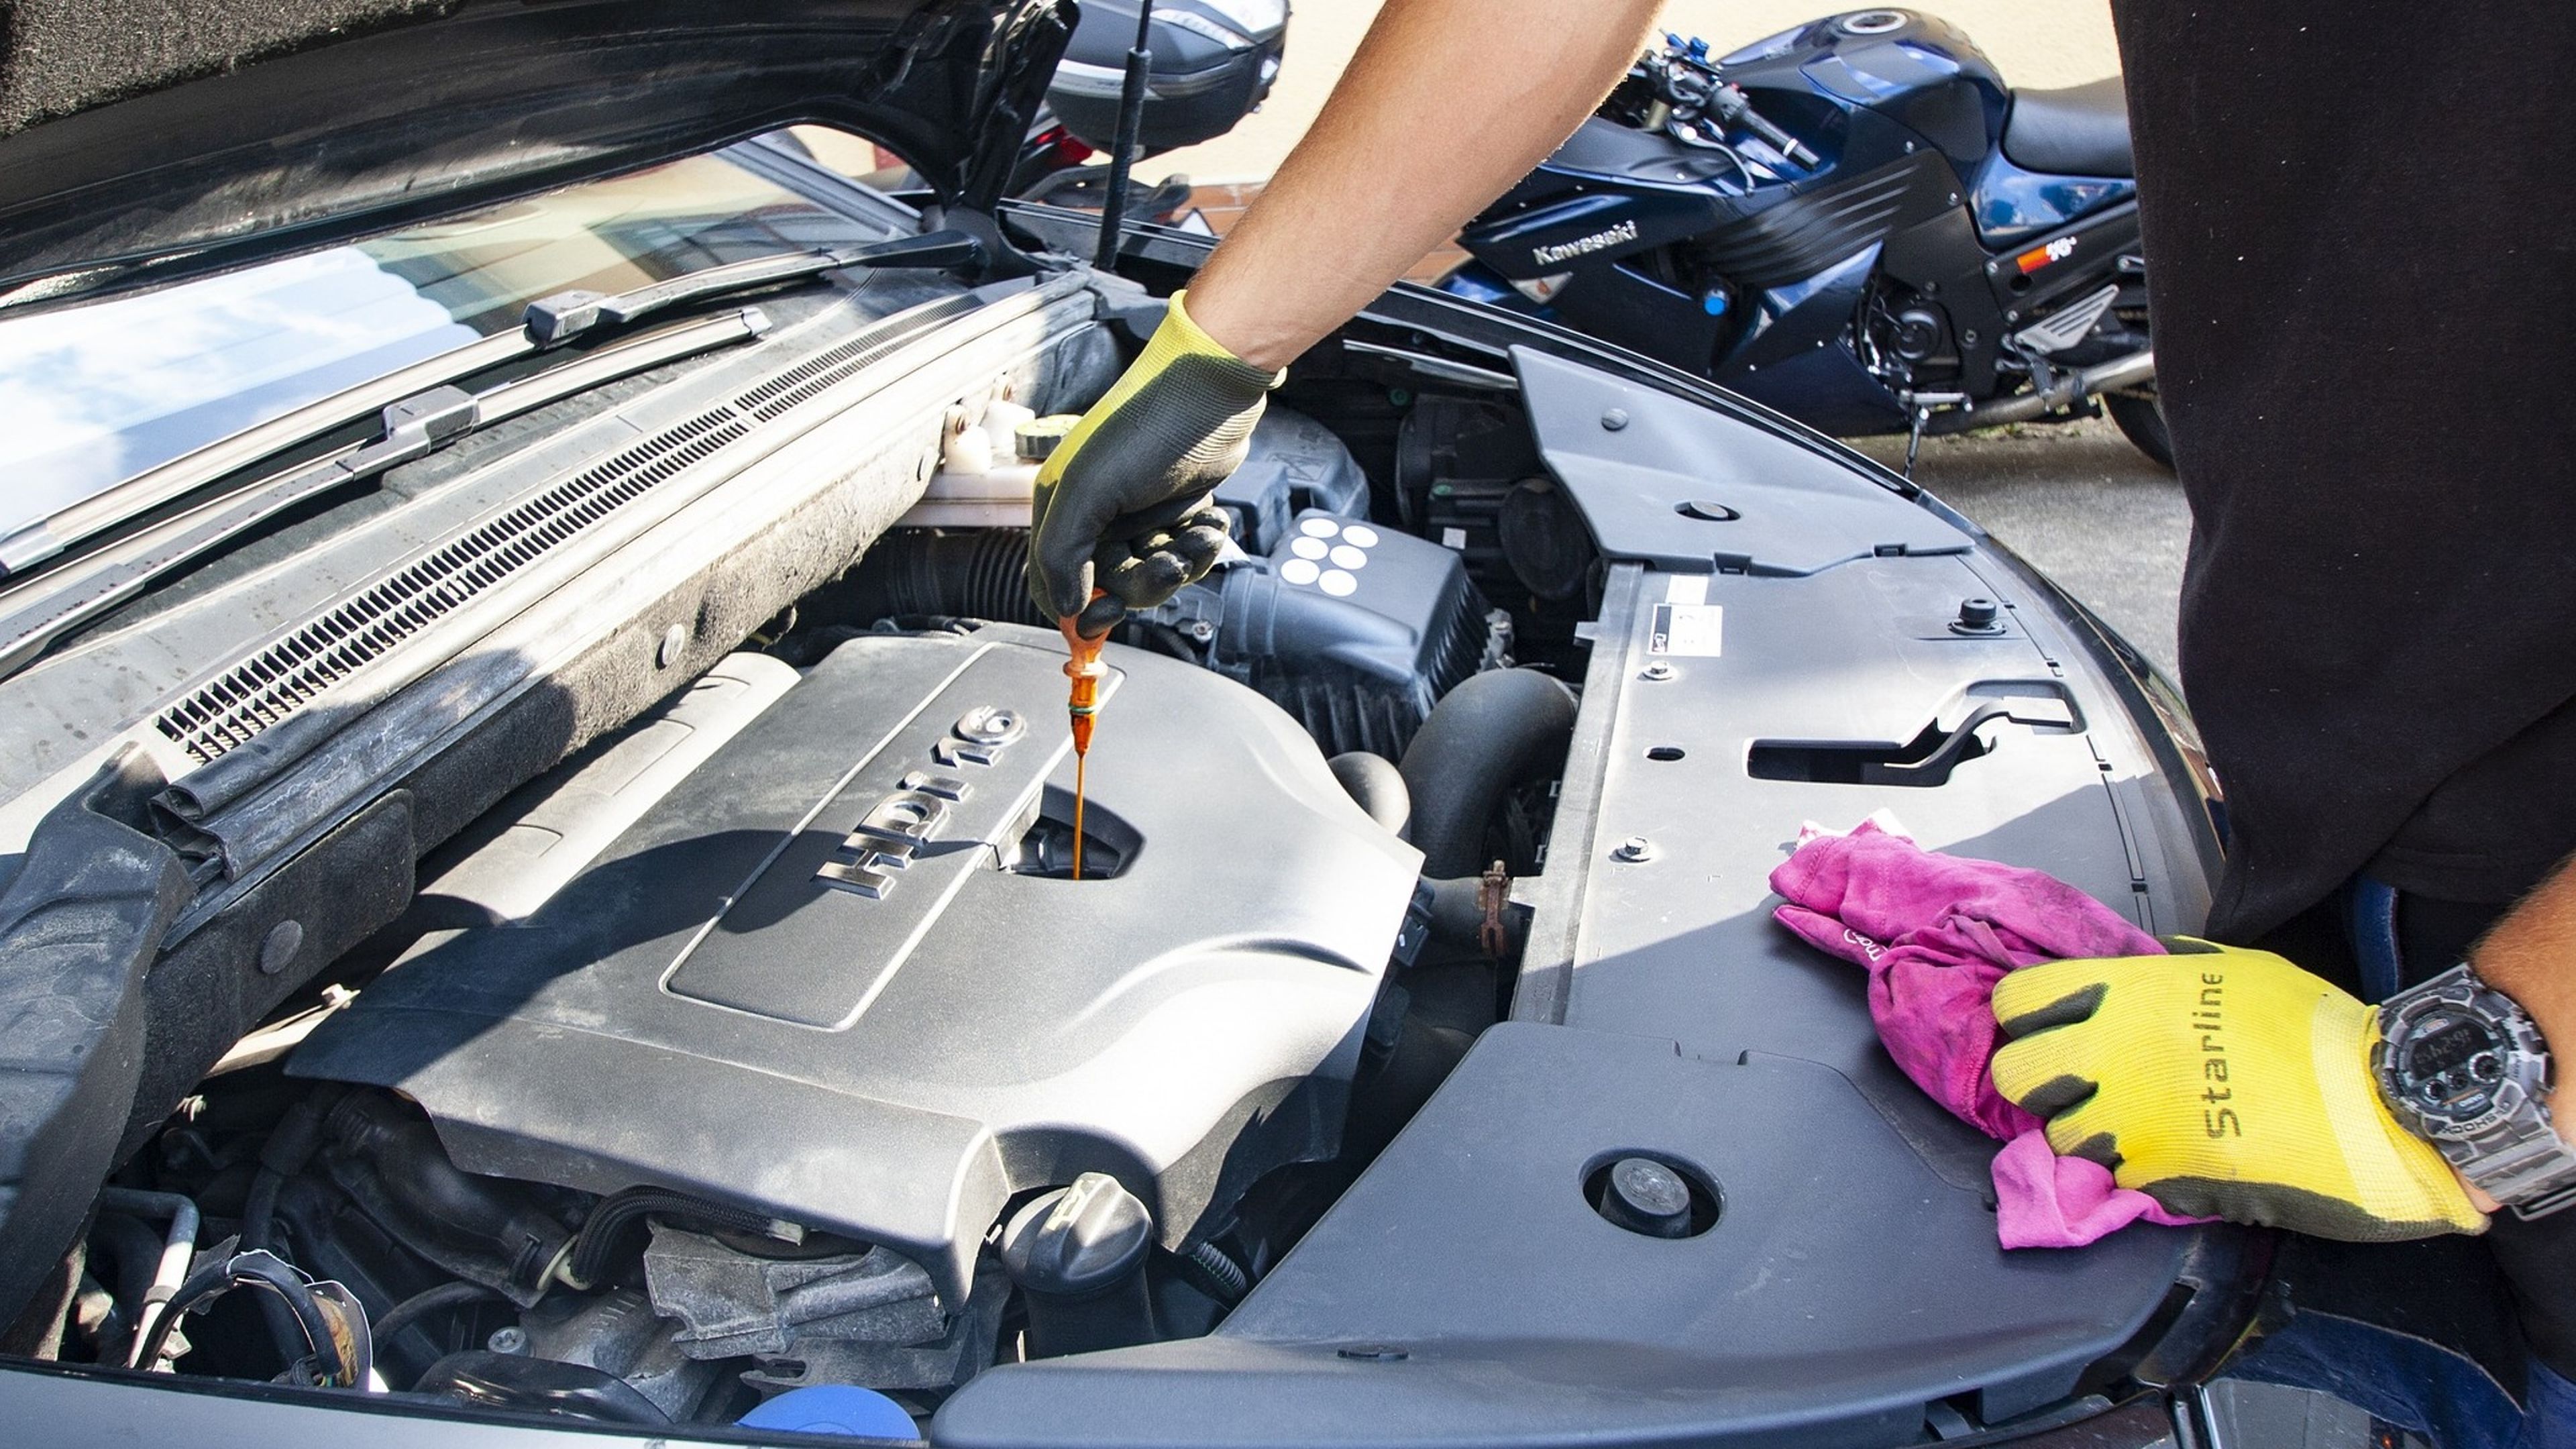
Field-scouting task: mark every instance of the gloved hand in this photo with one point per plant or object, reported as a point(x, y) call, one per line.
point(2225, 1083)
point(1122, 503)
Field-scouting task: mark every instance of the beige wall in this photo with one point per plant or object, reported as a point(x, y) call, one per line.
point(2035, 42)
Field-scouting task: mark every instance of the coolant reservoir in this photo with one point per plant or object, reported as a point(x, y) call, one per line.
point(988, 470)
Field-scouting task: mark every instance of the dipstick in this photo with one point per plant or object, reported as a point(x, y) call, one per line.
point(1082, 704)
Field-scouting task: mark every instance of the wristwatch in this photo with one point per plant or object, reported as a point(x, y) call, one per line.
point(2464, 1067)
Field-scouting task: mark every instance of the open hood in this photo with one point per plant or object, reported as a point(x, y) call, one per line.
point(140, 139)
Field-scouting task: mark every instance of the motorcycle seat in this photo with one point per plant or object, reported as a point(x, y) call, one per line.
point(2079, 131)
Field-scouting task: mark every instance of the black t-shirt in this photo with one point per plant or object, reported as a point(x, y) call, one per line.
point(2360, 229)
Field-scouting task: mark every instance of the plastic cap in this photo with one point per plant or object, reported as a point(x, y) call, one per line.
point(1645, 1196)
point(1036, 438)
point(1078, 1240)
point(844, 1409)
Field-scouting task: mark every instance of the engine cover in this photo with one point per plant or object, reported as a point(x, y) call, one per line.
point(824, 976)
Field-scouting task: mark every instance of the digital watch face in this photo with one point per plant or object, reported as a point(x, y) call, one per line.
point(2451, 1065)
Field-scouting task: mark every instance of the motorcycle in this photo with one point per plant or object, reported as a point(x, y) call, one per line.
point(1856, 223)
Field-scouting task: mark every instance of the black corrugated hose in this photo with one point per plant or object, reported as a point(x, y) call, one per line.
point(620, 1212)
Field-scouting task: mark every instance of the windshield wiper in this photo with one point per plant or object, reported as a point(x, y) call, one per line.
point(556, 320)
point(550, 322)
point(411, 427)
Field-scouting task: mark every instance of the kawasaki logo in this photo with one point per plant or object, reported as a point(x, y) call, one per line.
point(1625, 231)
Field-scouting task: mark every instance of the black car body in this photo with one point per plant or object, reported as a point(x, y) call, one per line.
point(490, 799)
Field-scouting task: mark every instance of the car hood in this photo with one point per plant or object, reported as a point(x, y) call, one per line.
point(142, 139)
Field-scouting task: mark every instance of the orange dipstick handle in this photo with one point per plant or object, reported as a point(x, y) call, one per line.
point(1085, 670)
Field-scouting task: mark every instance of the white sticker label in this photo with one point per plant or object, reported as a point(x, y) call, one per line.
point(1686, 589)
point(1455, 538)
point(1695, 630)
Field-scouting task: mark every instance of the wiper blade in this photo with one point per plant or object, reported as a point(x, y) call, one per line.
point(556, 320)
point(412, 427)
point(549, 323)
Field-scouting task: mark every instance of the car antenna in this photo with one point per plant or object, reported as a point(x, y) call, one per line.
point(1131, 124)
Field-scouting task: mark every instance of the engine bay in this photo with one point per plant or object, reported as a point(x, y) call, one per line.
point(766, 1043)
point(846, 954)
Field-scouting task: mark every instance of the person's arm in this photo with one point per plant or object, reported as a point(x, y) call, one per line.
point(2530, 955)
point(1446, 103)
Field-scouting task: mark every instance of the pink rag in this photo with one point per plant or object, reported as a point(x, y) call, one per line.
point(1936, 933)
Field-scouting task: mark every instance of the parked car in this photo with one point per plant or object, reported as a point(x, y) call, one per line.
point(534, 824)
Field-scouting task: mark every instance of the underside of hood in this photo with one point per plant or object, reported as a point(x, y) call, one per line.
point(140, 139)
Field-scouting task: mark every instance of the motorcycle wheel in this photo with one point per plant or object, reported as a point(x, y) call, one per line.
point(2143, 422)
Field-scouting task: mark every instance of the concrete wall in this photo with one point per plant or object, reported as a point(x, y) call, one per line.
point(2036, 42)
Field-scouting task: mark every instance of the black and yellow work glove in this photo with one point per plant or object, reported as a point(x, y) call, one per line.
point(1123, 502)
point(2223, 1083)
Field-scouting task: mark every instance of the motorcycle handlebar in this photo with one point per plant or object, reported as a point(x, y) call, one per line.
point(1690, 84)
point(1786, 144)
point(1752, 120)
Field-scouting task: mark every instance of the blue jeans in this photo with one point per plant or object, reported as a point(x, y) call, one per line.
point(2414, 1384)
point(2552, 1424)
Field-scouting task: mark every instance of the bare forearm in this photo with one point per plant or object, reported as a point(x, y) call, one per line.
point(1446, 104)
point(2531, 957)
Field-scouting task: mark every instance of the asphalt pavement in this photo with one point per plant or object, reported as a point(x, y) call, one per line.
point(2080, 503)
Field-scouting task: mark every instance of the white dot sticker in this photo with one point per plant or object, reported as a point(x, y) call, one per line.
point(1349, 557)
point(1337, 583)
point(1318, 527)
point(1361, 534)
point(1302, 571)
point(1308, 547)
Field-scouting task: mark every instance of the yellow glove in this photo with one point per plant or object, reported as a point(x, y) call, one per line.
point(1122, 503)
point(2223, 1083)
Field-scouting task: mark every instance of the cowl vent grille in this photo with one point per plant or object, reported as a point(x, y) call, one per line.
point(229, 711)
point(833, 366)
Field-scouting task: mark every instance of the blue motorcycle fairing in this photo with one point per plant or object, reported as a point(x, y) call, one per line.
point(1591, 228)
point(1926, 75)
point(1660, 321)
point(1794, 355)
point(1477, 282)
point(2011, 204)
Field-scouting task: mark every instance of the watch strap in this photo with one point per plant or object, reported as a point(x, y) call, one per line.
point(2521, 1161)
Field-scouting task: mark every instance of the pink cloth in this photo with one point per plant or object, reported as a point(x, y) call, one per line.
point(1936, 932)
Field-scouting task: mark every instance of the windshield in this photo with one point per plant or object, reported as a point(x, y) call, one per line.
point(98, 393)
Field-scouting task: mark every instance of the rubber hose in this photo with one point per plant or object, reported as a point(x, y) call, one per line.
point(419, 1305)
point(474, 1226)
point(1377, 787)
point(288, 1148)
point(979, 574)
point(136, 1251)
point(1495, 730)
point(1458, 915)
point(259, 1210)
point(1215, 1263)
point(619, 1212)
